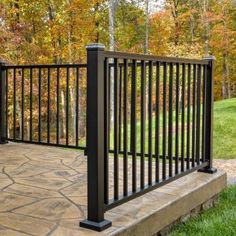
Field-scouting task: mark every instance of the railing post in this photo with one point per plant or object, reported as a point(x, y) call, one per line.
point(3, 131)
point(95, 138)
point(209, 96)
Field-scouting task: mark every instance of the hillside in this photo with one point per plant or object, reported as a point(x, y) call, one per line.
point(225, 129)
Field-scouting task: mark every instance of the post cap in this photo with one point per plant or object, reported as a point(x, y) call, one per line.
point(2, 62)
point(209, 58)
point(95, 46)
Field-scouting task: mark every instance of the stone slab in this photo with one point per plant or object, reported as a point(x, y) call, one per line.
point(43, 191)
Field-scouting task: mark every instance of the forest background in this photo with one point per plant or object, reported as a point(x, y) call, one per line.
point(57, 31)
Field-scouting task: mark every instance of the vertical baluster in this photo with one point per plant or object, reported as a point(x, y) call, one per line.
point(177, 122)
point(39, 104)
point(109, 103)
point(22, 102)
point(188, 115)
point(125, 140)
point(183, 119)
point(164, 123)
point(67, 104)
point(106, 139)
point(143, 119)
point(150, 105)
point(14, 103)
point(203, 111)
point(77, 109)
point(193, 115)
point(31, 104)
point(48, 107)
point(170, 119)
point(116, 130)
point(198, 128)
point(7, 87)
point(58, 103)
point(157, 125)
point(3, 106)
point(120, 106)
point(133, 124)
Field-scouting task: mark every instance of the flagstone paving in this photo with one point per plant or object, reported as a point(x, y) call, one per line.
point(229, 166)
point(43, 191)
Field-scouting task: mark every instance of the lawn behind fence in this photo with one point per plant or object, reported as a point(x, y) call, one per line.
point(224, 139)
point(225, 129)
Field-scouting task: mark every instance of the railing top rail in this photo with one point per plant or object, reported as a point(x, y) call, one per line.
point(82, 65)
point(131, 56)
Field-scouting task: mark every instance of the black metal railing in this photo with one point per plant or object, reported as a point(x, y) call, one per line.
point(44, 104)
point(149, 120)
point(149, 123)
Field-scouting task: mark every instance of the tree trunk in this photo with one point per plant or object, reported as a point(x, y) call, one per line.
point(206, 26)
point(146, 44)
point(175, 15)
point(73, 110)
point(97, 22)
point(18, 111)
point(224, 75)
point(69, 46)
point(234, 89)
point(112, 6)
point(82, 114)
point(228, 79)
point(63, 118)
point(191, 23)
point(28, 128)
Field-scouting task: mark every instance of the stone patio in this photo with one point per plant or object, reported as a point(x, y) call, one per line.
point(229, 166)
point(43, 192)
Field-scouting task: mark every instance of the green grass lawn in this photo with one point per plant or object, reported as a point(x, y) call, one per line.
point(225, 129)
point(221, 220)
point(218, 221)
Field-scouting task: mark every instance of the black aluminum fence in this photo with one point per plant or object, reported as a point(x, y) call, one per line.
point(45, 104)
point(149, 119)
point(149, 122)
